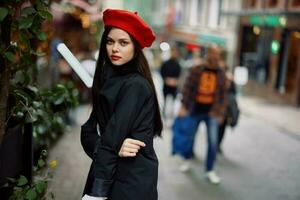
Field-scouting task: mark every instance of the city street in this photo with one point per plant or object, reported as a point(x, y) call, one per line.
point(129, 62)
point(261, 160)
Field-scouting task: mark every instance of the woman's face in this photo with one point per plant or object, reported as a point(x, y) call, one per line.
point(119, 46)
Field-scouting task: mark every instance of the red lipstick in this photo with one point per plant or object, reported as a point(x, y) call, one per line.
point(115, 58)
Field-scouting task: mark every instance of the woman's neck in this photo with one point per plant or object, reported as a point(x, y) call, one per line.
point(127, 68)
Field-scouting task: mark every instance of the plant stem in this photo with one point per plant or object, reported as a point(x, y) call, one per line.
point(4, 76)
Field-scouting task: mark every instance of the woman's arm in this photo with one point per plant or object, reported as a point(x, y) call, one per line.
point(89, 135)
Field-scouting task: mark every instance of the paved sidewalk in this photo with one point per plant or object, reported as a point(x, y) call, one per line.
point(259, 119)
point(283, 116)
point(72, 163)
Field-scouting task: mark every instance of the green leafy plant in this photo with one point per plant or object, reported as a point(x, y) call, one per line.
point(45, 109)
point(50, 122)
point(21, 30)
point(36, 189)
point(21, 100)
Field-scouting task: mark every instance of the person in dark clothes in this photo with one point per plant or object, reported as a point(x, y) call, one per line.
point(124, 164)
point(231, 93)
point(170, 73)
point(204, 99)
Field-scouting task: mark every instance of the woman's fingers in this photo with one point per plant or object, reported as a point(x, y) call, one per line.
point(127, 154)
point(130, 147)
point(134, 142)
point(131, 150)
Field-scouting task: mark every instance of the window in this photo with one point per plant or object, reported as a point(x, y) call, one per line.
point(272, 3)
point(185, 11)
point(213, 14)
point(252, 3)
point(199, 11)
point(295, 3)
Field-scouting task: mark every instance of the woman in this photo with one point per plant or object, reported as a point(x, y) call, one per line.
point(125, 104)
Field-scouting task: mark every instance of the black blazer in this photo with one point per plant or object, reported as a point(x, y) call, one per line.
point(89, 135)
point(126, 110)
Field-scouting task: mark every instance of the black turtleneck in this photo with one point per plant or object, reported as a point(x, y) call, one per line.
point(125, 110)
point(120, 70)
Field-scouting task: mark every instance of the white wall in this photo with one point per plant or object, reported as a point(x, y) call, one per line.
point(213, 13)
point(118, 4)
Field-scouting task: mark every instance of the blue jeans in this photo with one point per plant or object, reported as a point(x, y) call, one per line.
point(212, 135)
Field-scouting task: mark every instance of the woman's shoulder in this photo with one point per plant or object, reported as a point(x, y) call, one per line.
point(139, 83)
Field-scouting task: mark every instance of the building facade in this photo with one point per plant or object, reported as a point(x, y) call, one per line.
point(199, 24)
point(269, 46)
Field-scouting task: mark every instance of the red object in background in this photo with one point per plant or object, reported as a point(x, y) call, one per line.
point(192, 47)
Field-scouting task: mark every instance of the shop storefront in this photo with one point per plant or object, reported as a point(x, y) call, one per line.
point(270, 49)
point(198, 43)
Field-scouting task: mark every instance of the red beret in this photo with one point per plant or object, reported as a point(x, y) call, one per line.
point(131, 23)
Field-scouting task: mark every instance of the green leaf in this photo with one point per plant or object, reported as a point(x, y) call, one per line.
point(22, 181)
point(24, 39)
point(3, 13)
point(40, 112)
point(26, 59)
point(38, 53)
point(39, 5)
point(41, 129)
point(44, 153)
point(20, 198)
point(10, 56)
point(25, 22)
point(33, 89)
point(46, 15)
point(28, 11)
point(41, 163)
point(20, 114)
point(59, 100)
point(42, 35)
point(31, 116)
point(37, 104)
point(23, 96)
point(31, 195)
point(41, 187)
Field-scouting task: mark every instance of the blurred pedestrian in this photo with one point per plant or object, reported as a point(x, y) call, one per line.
point(204, 99)
point(232, 111)
point(125, 107)
point(170, 72)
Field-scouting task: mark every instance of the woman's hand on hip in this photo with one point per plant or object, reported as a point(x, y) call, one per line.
point(130, 147)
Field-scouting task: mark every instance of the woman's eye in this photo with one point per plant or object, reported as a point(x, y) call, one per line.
point(123, 43)
point(109, 42)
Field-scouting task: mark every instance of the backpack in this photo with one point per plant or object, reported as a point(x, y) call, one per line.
point(233, 111)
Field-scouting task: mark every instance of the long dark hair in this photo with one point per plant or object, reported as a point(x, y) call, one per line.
point(142, 67)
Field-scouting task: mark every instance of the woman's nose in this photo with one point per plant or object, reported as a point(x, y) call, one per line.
point(115, 47)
